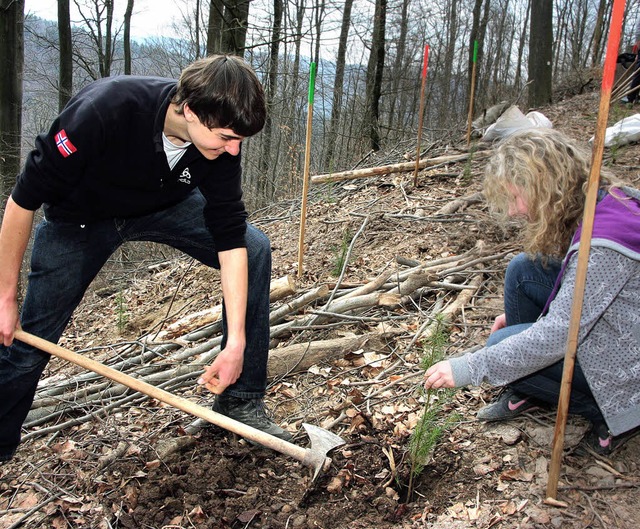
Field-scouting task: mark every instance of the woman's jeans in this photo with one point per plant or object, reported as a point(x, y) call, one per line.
point(527, 287)
point(65, 259)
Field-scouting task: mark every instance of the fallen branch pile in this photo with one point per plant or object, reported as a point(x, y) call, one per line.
point(302, 333)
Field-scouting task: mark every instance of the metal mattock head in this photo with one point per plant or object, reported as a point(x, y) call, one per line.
point(322, 442)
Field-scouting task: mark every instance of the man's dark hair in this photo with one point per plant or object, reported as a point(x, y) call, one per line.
point(224, 92)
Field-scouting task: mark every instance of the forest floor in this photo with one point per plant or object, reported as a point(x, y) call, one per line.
point(109, 472)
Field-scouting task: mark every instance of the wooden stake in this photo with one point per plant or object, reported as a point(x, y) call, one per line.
point(584, 248)
point(472, 91)
point(307, 158)
point(425, 63)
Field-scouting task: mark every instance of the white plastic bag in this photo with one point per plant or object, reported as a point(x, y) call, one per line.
point(513, 120)
point(625, 131)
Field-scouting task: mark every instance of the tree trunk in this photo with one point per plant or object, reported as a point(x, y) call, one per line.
point(99, 23)
point(11, 67)
point(215, 27)
point(480, 22)
point(375, 70)
point(452, 37)
point(597, 35)
point(108, 40)
point(234, 35)
point(396, 118)
point(338, 85)
point(196, 35)
point(271, 89)
point(127, 37)
point(65, 86)
point(540, 53)
point(522, 41)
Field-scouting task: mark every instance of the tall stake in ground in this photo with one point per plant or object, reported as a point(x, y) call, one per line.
point(307, 158)
point(425, 63)
point(585, 246)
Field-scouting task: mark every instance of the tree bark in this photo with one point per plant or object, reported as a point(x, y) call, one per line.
point(234, 34)
point(215, 27)
point(375, 70)
point(338, 86)
point(402, 64)
point(127, 37)
point(523, 40)
point(65, 86)
point(540, 53)
point(11, 67)
point(267, 187)
point(598, 33)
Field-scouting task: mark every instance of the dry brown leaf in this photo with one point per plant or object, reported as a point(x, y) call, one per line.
point(197, 514)
point(247, 516)
point(516, 474)
point(335, 486)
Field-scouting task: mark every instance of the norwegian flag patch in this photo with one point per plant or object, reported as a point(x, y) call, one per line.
point(64, 144)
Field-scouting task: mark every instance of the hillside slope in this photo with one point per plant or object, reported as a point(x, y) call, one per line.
point(142, 464)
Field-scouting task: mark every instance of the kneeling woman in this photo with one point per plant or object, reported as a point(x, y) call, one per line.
point(541, 176)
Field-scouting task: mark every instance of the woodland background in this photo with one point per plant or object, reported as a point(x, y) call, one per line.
point(369, 55)
point(94, 455)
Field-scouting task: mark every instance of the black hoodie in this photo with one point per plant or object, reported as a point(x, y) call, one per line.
point(104, 158)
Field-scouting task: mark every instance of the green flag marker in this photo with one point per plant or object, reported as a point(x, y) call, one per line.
point(312, 81)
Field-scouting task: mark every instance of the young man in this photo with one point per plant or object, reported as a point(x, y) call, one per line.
point(140, 159)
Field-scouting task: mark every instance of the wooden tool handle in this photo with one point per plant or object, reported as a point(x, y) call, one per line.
point(180, 403)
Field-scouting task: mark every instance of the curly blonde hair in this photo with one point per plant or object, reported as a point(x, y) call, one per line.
point(551, 173)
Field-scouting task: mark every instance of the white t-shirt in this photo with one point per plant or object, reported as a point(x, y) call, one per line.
point(174, 152)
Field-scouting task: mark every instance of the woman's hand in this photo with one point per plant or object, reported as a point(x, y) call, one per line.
point(439, 376)
point(499, 323)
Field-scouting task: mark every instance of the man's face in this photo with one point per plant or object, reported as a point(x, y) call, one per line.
point(211, 142)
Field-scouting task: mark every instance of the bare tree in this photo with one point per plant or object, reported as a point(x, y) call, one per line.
point(65, 86)
point(399, 67)
point(127, 37)
point(522, 41)
point(338, 85)
point(97, 16)
point(596, 55)
point(234, 31)
point(540, 53)
point(449, 52)
point(11, 64)
point(215, 27)
point(375, 70)
point(271, 87)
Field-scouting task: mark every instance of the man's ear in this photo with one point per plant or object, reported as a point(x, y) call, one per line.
point(188, 113)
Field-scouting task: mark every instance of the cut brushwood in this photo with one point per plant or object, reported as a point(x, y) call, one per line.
point(388, 169)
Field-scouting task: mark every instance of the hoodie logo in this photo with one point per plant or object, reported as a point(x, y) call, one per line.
point(64, 144)
point(185, 177)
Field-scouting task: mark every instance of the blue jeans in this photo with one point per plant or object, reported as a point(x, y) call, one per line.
point(65, 259)
point(528, 284)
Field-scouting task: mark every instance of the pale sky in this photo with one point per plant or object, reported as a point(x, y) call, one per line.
point(150, 17)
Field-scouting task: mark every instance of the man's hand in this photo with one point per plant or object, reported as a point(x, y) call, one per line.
point(14, 236)
point(225, 370)
point(439, 376)
point(499, 323)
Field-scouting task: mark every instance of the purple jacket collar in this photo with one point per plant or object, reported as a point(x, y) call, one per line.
point(616, 225)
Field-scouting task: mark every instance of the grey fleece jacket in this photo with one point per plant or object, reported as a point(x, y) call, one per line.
point(608, 341)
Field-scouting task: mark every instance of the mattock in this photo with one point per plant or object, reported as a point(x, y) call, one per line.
point(315, 457)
